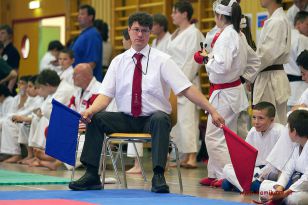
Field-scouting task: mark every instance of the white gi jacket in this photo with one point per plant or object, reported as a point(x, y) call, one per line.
point(163, 43)
point(273, 48)
point(299, 43)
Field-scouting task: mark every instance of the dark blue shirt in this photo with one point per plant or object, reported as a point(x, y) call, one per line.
point(88, 48)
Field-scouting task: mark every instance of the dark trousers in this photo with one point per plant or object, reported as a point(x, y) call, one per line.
point(158, 125)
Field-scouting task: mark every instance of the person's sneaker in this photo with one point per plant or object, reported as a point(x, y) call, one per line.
point(159, 184)
point(207, 181)
point(86, 182)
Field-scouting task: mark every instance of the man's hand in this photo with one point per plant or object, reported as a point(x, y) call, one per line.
point(217, 119)
point(86, 116)
point(278, 194)
point(17, 118)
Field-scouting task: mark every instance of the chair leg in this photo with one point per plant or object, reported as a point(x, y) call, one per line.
point(102, 162)
point(76, 153)
point(114, 164)
point(123, 165)
point(178, 165)
point(140, 163)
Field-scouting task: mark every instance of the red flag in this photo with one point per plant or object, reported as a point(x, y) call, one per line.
point(243, 157)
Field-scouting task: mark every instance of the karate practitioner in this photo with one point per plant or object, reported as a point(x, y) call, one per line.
point(227, 93)
point(50, 87)
point(263, 136)
point(23, 104)
point(292, 185)
point(184, 42)
point(299, 5)
point(299, 42)
point(272, 84)
point(160, 30)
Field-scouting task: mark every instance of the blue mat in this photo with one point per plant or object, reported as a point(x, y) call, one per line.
point(114, 197)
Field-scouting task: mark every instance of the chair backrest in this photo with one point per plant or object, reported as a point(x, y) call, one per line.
point(174, 104)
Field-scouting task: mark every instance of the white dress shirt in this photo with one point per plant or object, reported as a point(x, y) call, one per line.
point(160, 73)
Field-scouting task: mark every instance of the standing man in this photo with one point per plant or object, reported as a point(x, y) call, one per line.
point(160, 30)
point(140, 80)
point(88, 46)
point(299, 5)
point(10, 53)
point(272, 84)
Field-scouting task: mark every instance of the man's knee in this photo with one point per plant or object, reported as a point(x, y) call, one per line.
point(161, 118)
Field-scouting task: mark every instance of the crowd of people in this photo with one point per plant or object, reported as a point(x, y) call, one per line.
point(130, 93)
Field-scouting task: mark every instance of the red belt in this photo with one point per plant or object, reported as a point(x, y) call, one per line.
point(214, 87)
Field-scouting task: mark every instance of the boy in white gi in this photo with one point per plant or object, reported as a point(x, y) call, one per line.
point(263, 136)
point(66, 60)
point(292, 185)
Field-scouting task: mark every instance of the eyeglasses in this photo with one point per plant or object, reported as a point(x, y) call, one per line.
point(143, 31)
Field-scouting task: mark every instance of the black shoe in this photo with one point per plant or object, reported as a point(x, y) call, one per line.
point(86, 182)
point(159, 184)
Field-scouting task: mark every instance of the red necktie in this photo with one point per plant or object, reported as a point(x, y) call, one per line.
point(136, 89)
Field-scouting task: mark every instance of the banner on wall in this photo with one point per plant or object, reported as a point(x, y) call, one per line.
point(261, 18)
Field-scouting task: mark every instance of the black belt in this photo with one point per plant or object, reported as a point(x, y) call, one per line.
point(273, 67)
point(294, 78)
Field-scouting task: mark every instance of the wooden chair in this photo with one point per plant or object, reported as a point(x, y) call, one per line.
point(138, 137)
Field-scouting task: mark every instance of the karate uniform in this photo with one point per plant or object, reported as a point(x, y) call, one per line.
point(10, 129)
point(181, 48)
point(304, 98)
point(291, 13)
point(163, 43)
point(274, 49)
point(39, 124)
point(299, 43)
point(264, 143)
point(225, 67)
point(67, 75)
point(297, 163)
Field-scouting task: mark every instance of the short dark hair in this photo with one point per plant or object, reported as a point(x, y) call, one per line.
point(32, 79)
point(302, 59)
point(298, 120)
point(7, 28)
point(102, 28)
point(55, 45)
point(279, 1)
point(300, 16)
point(184, 6)
point(4, 90)
point(90, 10)
point(68, 51)
point(236, 14)
point(48, 77)
point(126, 34)
point(25, 78)
point(269, 107)
point(144, 19)
point(161, 20)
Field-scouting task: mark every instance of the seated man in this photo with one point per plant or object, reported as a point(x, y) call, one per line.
point(292, 185)
point(140, 80)
point(263, 136)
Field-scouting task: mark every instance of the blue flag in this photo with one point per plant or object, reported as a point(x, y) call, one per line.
point(62, 133)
